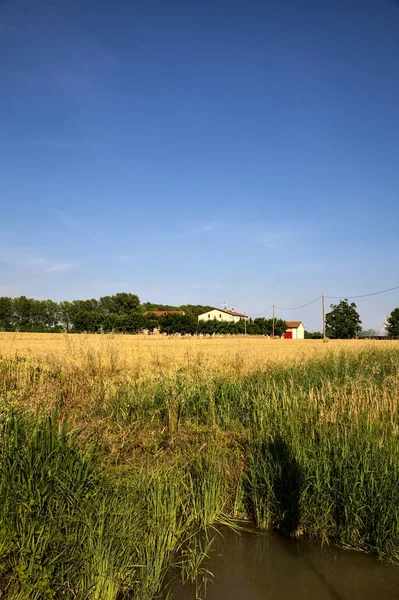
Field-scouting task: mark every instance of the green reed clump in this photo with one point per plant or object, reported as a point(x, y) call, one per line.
point(208, 488)
point(333, 482)
point(66, 531)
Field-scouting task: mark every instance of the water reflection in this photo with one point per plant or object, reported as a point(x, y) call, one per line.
point(251, 566)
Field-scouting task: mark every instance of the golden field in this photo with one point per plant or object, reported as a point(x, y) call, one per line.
point(145, 356)
point(77, 373)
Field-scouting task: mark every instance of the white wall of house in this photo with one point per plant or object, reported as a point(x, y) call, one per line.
point(218, 315)
point(298, 333)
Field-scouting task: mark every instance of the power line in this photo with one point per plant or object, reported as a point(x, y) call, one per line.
point(302, 306)
point(331, 297)
point(364, 295)
point(293, 308)
point(264, 311)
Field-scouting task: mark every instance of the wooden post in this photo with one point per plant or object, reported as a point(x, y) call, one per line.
point(273, 320)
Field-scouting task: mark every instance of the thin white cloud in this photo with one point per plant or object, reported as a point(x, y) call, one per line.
point(58, 267)
point(33, 261)
point(53, 143)
point(202, 286)
point(279, 234)
point(75, 225)
point(124, 258)
point(203, 229)
point(66, 219)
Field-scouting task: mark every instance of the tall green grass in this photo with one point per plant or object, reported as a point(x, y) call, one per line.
point(104, 505)
point(68, 531)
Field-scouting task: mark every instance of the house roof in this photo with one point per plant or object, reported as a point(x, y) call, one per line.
point(230, 312)
point(161, 313)
point(293, 324)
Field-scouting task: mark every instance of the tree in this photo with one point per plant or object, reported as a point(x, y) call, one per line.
point(6, 309)
point(194, 309)
point(262, 326)
point(392, 324)
point(65, 314)
point(151, 322)
point(369, 333)
point(189, 309)
point(22, 316)
point(343, 322)
point(135, 322)
point(89, 321)
point(173, 323)
point(123, 303)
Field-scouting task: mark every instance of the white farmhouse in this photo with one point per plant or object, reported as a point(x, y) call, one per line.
point(295, 331)
point(222, 314)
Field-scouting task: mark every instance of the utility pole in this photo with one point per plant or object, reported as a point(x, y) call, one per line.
point(273, 320)
point(324, 317)
point(245, 324)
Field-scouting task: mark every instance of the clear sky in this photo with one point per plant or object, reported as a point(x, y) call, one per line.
point(188, 151)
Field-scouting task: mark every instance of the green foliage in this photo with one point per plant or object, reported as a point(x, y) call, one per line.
point(261, 326)
point(89, 321)
point(392, 324)
point(150, 306)
point(175, 323)
point(194, 309)
point(313, 335)
point(119, 304)
point(258, 326)
point(121, 313)
point(6, 310)
point(189, 309)
point(343, 322)
point(67, 531)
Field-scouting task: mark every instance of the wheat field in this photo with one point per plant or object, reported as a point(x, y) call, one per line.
point(144, 355)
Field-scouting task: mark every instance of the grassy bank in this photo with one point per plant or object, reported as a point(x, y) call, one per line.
point(108, 471)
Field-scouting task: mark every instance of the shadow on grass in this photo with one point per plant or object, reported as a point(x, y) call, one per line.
point(287, 486)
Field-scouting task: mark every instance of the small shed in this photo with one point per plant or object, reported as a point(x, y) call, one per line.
point(295, 331)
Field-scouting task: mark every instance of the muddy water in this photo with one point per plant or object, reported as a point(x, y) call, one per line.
point(251, 566)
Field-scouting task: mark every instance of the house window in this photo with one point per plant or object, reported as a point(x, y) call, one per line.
point(220, 316)
point(209, 316)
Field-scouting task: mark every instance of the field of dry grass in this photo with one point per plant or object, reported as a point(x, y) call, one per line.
point(72, 372)
point(147, 356)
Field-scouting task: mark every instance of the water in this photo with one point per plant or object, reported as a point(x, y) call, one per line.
point(252, 566)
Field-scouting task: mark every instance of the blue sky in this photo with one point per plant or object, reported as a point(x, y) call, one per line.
point(201, 152)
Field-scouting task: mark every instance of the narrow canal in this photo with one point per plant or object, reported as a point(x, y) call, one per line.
point(253, 566)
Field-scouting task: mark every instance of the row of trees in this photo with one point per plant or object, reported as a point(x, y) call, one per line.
point(186, 324)
point(124, 313)
point(95, 322)
point(120, 312)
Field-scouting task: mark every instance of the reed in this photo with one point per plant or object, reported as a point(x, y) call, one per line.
point(111, 467)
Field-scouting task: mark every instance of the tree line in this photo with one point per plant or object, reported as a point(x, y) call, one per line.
point(120, 312)
point(124, 313)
